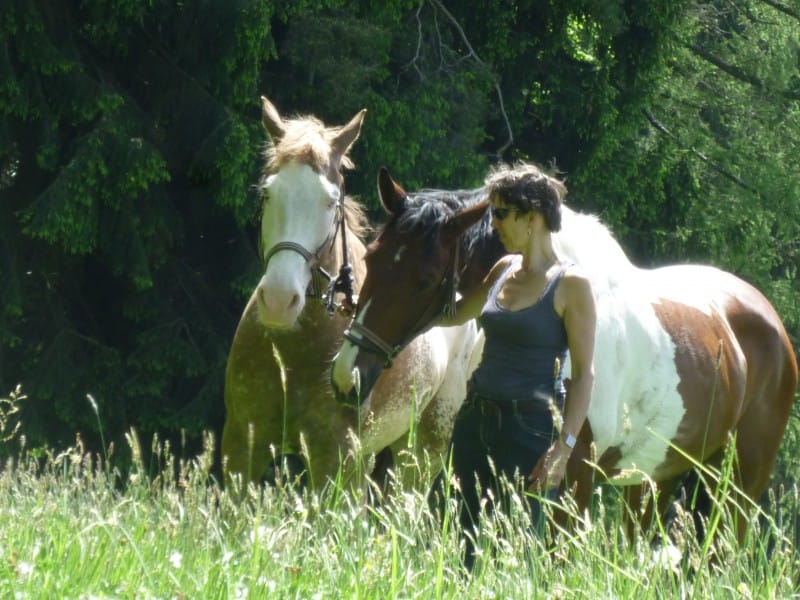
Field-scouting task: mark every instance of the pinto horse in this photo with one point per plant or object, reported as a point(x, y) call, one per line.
point(278, 397)
point(685, 355)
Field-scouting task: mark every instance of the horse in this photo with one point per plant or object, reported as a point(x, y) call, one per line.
point(687, 356)
point(278, 398)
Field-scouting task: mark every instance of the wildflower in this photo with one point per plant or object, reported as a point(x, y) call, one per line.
point(24, 569)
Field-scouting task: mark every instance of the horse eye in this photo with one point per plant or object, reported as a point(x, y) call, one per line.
point(424, 285)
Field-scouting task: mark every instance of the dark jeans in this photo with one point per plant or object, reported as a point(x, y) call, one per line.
point(513, 436)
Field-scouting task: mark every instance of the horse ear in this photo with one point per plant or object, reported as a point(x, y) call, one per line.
point(393, 197)
point(271, 119)
point(462, 221)
point(347, 135)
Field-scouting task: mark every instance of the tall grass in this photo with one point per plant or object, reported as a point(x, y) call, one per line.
point(70, 530)
point(75, 527)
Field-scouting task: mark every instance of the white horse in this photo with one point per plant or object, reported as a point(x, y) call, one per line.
point(278, 396)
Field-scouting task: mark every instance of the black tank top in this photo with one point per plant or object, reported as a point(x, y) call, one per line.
point(521, 348)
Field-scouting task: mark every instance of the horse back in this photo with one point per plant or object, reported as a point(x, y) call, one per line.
point(725, 310)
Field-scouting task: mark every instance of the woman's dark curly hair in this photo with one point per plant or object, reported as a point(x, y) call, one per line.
point(527, 188)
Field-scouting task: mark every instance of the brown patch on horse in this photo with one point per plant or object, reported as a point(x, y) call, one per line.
point(712, 370)
point(771, 374)
point(754, 384)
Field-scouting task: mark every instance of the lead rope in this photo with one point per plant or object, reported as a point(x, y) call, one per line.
point(344, 282)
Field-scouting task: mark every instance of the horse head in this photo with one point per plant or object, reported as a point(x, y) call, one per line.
point(303, 206)
point(412, 276)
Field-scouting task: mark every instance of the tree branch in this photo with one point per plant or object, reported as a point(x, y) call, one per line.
point(438, 4)
point(739, 74)
point(716, 167)
point(782, 8)
point(413, 62)
point(726, 67)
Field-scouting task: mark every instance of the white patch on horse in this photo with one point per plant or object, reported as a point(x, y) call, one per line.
point(635, 403)
point(399, 255)
point(343, 376)
point(438, 361)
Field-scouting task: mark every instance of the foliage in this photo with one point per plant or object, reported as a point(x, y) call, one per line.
point(9, 414)
point(124, 149)
point(702, 172)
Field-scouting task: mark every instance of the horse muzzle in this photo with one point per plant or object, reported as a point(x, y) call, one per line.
point(278, 309)
point(354, 389)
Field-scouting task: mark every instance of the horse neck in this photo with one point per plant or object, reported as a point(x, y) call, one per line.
point(586, 242)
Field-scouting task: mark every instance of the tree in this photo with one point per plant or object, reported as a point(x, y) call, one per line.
point(702, 170)
point(127, 163)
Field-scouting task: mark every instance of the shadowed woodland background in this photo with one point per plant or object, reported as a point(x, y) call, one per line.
point(130, 142)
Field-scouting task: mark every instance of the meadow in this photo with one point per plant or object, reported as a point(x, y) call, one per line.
point(75, 526)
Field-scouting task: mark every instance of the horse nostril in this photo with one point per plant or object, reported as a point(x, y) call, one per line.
point(295, 302)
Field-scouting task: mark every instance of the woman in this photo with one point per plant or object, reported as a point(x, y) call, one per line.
point(533, 308)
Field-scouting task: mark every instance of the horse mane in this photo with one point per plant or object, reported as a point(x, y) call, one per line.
point(356, 218)
point(588, 243)
point(428, 209)
point(306, 140)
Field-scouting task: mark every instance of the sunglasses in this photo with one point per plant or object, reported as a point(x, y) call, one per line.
point(500, 213)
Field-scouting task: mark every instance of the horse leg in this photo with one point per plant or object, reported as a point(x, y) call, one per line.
point(758, 436)
point(646, 506)
point(384, 463)
point(245, 452)
point(632, 509)
point(417, 458)
point(769, 395)
point(745, 479)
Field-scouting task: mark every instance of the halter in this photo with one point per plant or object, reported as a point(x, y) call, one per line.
point(320, 278)
point(371, 342)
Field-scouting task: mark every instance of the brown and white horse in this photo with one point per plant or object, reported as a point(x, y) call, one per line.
point(278, 396)
point(685, 355)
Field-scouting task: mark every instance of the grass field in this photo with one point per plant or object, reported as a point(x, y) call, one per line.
point(73, 527)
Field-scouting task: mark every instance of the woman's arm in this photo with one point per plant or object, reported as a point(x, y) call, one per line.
point(469, 307)
point(580, 321)
point(576, 303)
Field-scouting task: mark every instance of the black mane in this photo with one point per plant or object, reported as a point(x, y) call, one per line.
point(427, 210)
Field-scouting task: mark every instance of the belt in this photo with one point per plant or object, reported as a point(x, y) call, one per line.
point(493, 406)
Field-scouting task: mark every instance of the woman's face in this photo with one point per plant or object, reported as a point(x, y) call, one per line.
point(512, 225)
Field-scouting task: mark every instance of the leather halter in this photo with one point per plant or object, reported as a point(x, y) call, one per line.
point(323, 286)
point(366, 339)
